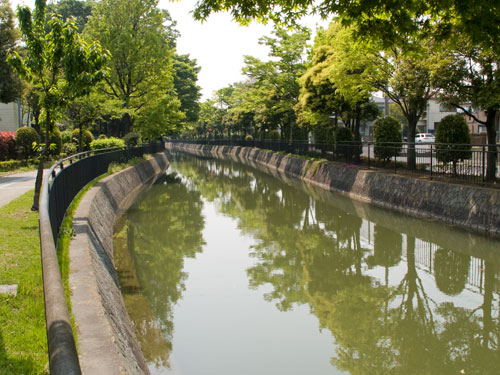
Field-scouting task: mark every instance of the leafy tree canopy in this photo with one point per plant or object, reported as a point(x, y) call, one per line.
point(10, 86)
point(78, 9)
point(59, 64)
point(185, 77)
point(139, 36)
point(391, 21)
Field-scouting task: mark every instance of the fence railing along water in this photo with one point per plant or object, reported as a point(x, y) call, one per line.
point(442, 160)
point(65, 179)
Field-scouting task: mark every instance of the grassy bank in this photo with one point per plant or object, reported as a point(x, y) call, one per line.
point(23, 343)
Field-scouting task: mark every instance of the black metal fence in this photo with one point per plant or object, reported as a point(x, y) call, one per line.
point(462, 162)
point(65, 179)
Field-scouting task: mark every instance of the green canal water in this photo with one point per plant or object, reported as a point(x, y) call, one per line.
point(228, 270)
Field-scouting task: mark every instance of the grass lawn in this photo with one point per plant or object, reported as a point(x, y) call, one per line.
point(23, 342)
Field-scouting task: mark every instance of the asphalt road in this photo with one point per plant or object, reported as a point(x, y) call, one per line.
point(14, 185)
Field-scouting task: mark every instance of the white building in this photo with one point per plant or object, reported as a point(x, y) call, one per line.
point(432, 115)
point(427, 123)
point(10, 117)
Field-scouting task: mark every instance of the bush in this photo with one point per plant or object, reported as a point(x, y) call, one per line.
point(324, 134)
point(249, 138)
point(344, 143)
point(66, 136)
point(25, 137)
point(454, 132)
point(69, 149)
point(100, 144)
point(7, 145)
point(87, 138)
point(11, 165)
point(55, 139)
point(274, 135)
point(132, 139)
point(387, 137)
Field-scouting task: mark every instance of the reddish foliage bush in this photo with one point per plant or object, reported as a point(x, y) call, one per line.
point(7, 145)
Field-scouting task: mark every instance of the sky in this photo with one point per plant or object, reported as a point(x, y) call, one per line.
point(219, 44)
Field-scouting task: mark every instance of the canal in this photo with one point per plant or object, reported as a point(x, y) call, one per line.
point(225, 269)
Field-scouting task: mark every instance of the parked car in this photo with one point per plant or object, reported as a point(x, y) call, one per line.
point(425, 138)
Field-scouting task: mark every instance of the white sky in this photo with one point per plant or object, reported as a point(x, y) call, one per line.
point(218, 44)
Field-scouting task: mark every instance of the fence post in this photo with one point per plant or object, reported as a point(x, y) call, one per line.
point(368, 155)
point(483, 164)
point(395, 158)
point(432, 158)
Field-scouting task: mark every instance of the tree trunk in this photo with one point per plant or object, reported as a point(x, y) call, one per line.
point(357, 134)
point(411, 154)
point(492, 157)
point(39, 174)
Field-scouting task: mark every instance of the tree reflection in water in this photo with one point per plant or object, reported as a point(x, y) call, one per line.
point(311, 252)
point(161, 229)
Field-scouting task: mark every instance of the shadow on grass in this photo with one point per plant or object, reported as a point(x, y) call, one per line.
point(11, 365)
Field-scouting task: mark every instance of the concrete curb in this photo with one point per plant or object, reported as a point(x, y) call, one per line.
point(106, 339)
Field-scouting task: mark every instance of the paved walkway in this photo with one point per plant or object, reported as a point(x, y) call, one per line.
point(14, 185)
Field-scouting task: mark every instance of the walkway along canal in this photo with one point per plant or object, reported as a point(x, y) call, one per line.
point(225, 269)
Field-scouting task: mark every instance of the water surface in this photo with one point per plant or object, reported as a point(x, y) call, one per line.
point(228, 270)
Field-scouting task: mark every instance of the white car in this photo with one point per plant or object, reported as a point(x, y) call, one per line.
point(425, 138)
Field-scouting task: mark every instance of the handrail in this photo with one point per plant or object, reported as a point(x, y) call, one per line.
point(63, 356)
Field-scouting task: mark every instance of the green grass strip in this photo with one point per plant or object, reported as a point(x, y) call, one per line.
point(23, 341)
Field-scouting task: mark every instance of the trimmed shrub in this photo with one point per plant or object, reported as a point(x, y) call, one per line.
point(453, 131)
point(87, 137)
point(132, 139)
point(69, 149)
point(387, 137)
point(55, 139)
point(7, 145)
point(100, 144)
point(249, 138)
point(10, 165)
point(324, 134)
point(274, 135)
point(25, 137)
point(344, 143)
point(66, 136)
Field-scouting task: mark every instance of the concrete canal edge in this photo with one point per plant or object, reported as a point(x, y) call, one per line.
point(472, 207)
point(106, 339)
point(105, 336)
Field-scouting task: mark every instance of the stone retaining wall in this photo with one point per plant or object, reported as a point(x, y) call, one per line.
point(471, 207)
point(105, 336)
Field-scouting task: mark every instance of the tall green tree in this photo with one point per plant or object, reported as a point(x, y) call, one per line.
point(273, 84)
point(10, 86)
point(468, 77)
point(357, 68)
point(139, 36)
point(60, 65)
point(185, 72)
point(79, 9)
